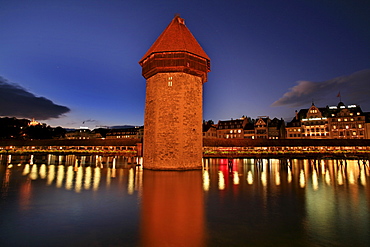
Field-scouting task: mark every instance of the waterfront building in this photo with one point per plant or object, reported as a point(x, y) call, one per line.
point(231, 128)
point(347, 122)
point(82, 134)
point(310, 123)
point(209, 129)
point(136, 133)
point(260, 128)
point(294, 128)
point(249, 132)
point(175, 68)
point(330, 122)
point(266, 128)
point(315, 124)
point(276, 128)
point(246, 128)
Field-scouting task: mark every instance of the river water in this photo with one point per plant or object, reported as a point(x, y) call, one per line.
point(69, 200)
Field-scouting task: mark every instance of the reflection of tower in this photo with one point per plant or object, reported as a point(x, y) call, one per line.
point(175, 68)
point(172, 212)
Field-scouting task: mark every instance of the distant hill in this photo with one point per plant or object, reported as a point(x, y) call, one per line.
point(106, 127)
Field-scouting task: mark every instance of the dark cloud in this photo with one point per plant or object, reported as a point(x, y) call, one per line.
point(354, 89)
point(16, 101)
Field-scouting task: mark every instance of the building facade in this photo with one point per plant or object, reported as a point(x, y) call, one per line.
point(247, 128)
point(347, 122)
point(315, 125)
point(209, 129)
point(82, 134)
point(133, 133)
point(231, 128)
point(330, 122)
point(266, 128)
point(294, 128)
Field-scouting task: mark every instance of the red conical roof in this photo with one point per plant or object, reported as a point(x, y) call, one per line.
point(176, 37)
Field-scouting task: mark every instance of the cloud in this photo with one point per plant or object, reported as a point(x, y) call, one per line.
point(16, 101)
point(89, 121)
point(354, 89)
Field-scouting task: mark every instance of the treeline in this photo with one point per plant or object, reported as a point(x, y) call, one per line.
point(20, 129)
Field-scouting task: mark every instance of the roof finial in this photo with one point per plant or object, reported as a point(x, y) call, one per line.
point(179, 19)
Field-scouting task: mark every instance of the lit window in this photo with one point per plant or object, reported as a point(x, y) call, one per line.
point(231, 131)
point(358, 113)
point(239, 131)
point(339, 119)
point(345, 119)
point(170, 81)
point(347, 127)
point(360, 125)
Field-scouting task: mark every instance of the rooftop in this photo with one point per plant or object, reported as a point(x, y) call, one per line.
point(176, 37)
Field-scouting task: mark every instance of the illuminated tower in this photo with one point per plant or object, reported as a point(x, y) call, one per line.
point(175, 68)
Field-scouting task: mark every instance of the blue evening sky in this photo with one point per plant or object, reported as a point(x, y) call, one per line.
point(268, 57)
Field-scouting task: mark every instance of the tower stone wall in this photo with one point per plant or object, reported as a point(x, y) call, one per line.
point(173, 122)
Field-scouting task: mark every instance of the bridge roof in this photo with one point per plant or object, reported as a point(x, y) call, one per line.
point(221, 142)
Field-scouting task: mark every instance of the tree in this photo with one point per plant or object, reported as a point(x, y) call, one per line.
point(12, 128)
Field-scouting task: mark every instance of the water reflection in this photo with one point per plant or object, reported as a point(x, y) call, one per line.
point(78, 173)
point(274, 172)
point(332, 198)
point(71, 172)
point(172, 212)
point(293, 202)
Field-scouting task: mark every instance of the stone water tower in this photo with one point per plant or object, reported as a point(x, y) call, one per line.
point(175, 68)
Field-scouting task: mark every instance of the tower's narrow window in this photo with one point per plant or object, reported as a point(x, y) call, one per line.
point(170, 81)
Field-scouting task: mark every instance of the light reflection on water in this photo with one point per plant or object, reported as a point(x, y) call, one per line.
point(60, 200)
